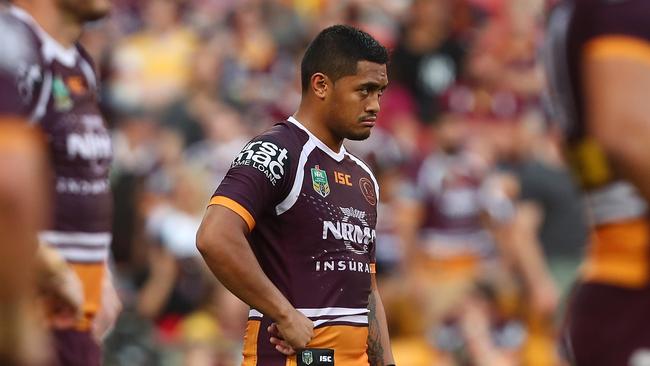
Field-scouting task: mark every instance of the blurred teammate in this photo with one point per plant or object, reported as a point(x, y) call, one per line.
point(291, 229)
point(49, 81)
point(599, 68)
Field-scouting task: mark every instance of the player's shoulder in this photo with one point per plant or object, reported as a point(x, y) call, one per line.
point(360, 162)
point(19, 44)
point(275, 152)
point(283, 135)
point(596, 18)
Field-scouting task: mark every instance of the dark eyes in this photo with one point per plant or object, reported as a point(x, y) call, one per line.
point(367, 91)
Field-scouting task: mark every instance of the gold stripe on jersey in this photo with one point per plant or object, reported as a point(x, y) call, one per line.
point(626, 47)
point(618, 254)
point(349, 344)
point(250, 343)
point(236, 207)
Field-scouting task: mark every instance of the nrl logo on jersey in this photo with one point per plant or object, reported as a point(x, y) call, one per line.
point(307, 357)
point(264, 156)
point(319, 181)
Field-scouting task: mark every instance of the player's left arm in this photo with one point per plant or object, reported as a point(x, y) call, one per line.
point(379, 351)
point(616, 74)
point(515, 225)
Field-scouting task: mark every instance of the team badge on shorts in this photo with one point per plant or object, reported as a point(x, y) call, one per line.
point(315, 357)
point(319, 181)
point(307, 357)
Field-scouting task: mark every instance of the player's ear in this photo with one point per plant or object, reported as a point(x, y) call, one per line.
point(320, 85)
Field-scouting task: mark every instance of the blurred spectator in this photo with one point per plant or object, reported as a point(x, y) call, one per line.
point(152, 67)
point(427, 59)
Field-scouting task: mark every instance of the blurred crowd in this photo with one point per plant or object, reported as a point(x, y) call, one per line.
point(480, 228)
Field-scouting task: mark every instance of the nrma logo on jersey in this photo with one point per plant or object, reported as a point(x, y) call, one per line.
point(264, 156)
point(353, 229)
point(93, 143)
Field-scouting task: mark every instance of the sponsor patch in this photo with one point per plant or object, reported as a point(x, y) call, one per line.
point(353, 230)
point(315, 357)
point(265, 156)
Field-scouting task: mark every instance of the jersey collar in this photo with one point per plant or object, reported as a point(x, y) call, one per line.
point(338, 156)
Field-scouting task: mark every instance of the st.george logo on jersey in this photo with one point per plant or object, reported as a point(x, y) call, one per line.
point(319, 181)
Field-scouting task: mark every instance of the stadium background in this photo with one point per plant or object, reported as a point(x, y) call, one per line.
point(187, 82)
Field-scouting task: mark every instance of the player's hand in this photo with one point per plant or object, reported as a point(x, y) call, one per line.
point(60, 289)
point(292, 333)
point(280, 344)
point(109, 311)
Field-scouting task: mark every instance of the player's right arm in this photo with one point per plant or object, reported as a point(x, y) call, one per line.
point(249, 189)
point(221, 239)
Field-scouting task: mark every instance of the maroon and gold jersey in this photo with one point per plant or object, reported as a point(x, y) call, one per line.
point(312, 214)
point(601, 29)
point(55, 88)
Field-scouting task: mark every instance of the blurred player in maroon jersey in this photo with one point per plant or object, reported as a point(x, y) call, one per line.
point(599, 69)
point(291, 229)
point(47, 80)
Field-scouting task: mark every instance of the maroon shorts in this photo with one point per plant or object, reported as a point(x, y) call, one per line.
point(75, 348)
point(609, 326)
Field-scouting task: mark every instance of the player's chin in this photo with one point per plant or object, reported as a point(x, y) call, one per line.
point(361, 133)
point(95, 11)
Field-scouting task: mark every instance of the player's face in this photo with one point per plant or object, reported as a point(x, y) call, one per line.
point(85, 10)
point(355, 101)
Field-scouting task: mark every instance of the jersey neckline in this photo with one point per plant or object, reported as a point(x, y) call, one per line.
point(338, 156)
point(52, 49)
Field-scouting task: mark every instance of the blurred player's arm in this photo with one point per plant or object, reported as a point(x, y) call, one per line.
point(379, 350)
point(221, 239)
point(23, 204)
point(515, 225)
point(616, 74)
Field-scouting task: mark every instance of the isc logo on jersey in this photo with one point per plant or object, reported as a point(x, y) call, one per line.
point(264, 156)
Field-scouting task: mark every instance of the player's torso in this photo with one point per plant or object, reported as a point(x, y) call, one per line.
point(61, 98)
point(620, 245)
point(322, 234)
point(317, 246)
point(80, 150)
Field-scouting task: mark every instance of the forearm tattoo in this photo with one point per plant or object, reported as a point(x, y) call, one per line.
point(375, 348)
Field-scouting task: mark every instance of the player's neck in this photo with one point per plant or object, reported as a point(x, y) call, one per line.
point(318, 128)
point(61, 27)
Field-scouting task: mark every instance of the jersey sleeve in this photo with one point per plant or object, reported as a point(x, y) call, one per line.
point(20, 69)
point(259, 178)
point(614, 28)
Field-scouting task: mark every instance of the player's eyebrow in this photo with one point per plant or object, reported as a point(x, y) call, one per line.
point(371, 85)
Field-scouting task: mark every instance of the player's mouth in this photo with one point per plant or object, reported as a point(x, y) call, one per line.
point(368, 121)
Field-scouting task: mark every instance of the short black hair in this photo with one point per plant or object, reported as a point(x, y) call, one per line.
point(336, 50)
